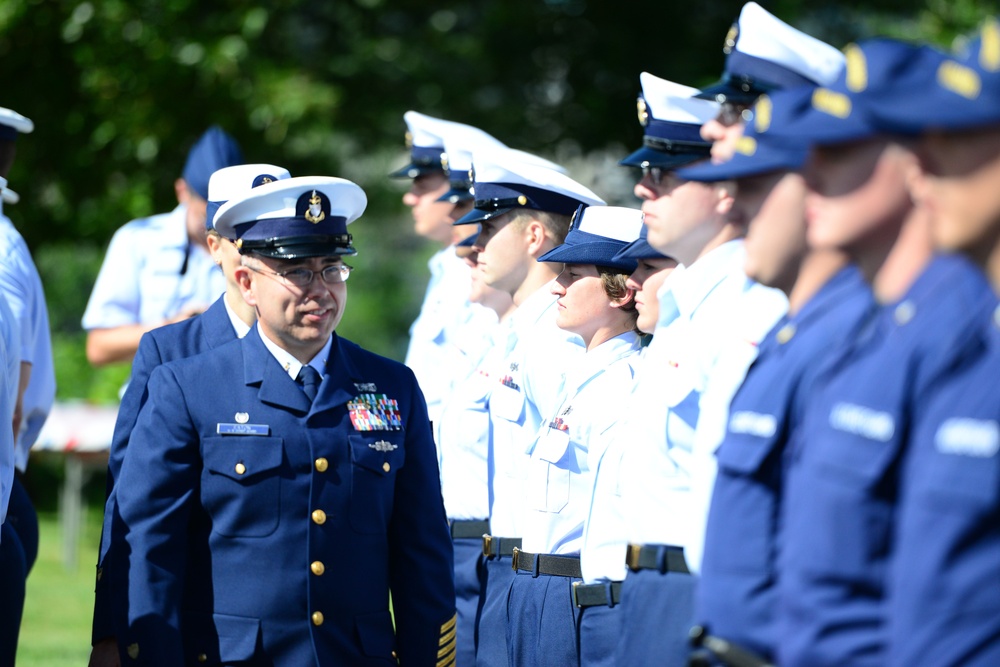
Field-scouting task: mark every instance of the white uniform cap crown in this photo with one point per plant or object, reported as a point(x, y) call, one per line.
point(765, 36)
point(612, 222)
point(673, 102)
point(13, 119)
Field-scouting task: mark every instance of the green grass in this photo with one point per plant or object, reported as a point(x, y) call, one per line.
point(59, 603)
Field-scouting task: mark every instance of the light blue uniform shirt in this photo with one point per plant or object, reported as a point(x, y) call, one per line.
point(559, 483)
point(530, 383)
point(10, 375)
point(447, 337)
point(22, 286)
point(141, 280)
point(711, 321)
point(463, 433)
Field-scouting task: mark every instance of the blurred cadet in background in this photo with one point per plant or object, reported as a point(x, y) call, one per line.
point(22, 289)
point(158, 269)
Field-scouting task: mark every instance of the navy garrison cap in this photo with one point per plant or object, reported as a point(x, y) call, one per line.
point(671, 119)
point(597, 235)
point(763, 53)
point(842, 113)
point(232, 182)
point(950, 93)
point(214, 150)
point(640, 248)
point(294, 217)
point(757, 151)
point(503, 181)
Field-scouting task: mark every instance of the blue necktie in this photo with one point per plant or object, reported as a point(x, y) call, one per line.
point(309, 378)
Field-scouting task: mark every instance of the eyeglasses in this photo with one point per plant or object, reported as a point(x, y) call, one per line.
point(331, 275)
point(655, 174)
point(731, 113)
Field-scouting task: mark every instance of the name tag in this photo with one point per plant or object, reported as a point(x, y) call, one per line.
point(753, 423)
point(868, 423)
point(242, 429)
point(968, 437)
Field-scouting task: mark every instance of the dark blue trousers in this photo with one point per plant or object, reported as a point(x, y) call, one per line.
point(544, 621)
point(13, 573)
point(657, 614)
point(600, 632)
point(492, 649)
point(470, 583)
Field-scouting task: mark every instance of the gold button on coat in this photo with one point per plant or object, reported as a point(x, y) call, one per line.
point(202, 657)
point(319, 517)
point(317, 567)
point(240, 468)
point(317, 618)
point(386, 466)
point(322, 464)
point(133, 651)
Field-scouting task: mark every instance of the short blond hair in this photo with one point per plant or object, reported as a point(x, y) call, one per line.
point(556, 224)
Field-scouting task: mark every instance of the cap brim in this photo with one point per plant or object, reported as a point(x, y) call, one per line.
point(413, 170)
point(478, 215)
point(723, 91)
point(597, 254)
point(302, 250)
point(650, 157)
point(640, 249)
point(456, 195)
point(743, 166)
point(10, 197)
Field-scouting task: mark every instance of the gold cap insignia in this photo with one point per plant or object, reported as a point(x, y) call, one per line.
point(746, 146)
point(832, 103)
point(409, 140)
point(730, 42)
point(762, 112)
point(238, 243)
point(989, 47)
point(856, 68)
point(643, 111)
point(314, 213)
point(444, 161)
point(959, 79)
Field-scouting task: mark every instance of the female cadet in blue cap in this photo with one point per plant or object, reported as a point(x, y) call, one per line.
point(594, 303)
point(841, 491)
point(944, 607)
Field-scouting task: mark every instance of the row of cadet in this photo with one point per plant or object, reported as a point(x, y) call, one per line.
point(801, 464)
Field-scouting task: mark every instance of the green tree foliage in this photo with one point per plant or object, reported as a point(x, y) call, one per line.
point(119, 89)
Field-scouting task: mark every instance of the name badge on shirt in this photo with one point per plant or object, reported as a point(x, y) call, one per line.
point(242, 429)
point(863, 421)
point(968, 437)
point(375, 412)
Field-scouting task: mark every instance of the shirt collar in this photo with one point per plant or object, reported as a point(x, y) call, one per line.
point(689, 286)
point(292, 365)
point(239, 326)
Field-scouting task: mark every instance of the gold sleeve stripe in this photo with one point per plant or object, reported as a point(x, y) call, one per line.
point(448, 637)
point(450, 648)
point(447, 661)
point(449, 624)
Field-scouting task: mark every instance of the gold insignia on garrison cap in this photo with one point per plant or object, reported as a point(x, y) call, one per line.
point(643, 111)
point(959, 79)
point(762, 114)
point(746, 146)
point(829, 102)
point(989, 48)
point(730, 42)
point(856, 68)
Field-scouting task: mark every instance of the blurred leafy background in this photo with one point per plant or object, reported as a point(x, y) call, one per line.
point(119, 89)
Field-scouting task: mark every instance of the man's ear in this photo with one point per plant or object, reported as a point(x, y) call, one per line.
point(537, 238)
point(245, 279)
point(724, 194)
point(625, 300)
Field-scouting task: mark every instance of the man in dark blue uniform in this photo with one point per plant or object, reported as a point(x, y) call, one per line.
point(279, 486)
point(839, 512)
point(828, 300)
point(229, 318)
point(945, 579)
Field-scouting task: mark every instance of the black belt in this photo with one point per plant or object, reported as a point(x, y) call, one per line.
point(464, 529)
point(558, 566)
point(640, 557)
point(596, 595)
point(500, 546)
